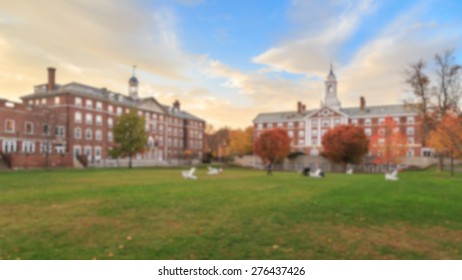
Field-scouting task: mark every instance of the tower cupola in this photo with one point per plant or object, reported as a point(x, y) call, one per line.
point(331, 98)
point(133, 85)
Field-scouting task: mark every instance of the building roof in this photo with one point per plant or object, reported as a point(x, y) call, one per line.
point(370, 111)
point(104, 94)
point(281, 116)
point(381, 110)
point(181, 114)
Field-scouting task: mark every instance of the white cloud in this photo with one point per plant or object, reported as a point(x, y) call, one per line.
point(323, 27)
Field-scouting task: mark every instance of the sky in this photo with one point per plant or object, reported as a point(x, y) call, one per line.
point(226, 61)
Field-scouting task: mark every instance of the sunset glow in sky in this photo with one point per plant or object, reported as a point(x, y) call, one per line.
point(226, 61)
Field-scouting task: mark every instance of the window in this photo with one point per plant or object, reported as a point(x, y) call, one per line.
point(98, 135)
point(381, 121)
point(269, 125)
point(291, 125)
point(78, 117)
point(46, 129)
point(45, 148)
point(89, 103)
point(88, 152)
point(110, 109)
point(9, 125)
point(291, 134)
point(59, 130)
point(109, 136)
point(367, 122)
point(8, 146)
point(119, 111)
point(88, 134)
point(97, 153)
point(410, 140)
point(77, 133)
point(259, 126)
point(314, 132)
point(44, 101)
point(325, 123)
point(381, 131)
point(28, 147)
point(78, 102)
point(88, 118)
point(99, 105)
point(59, 149)
point(323, 132)
point(29, 128)
point(301, 133)
point(396, 120)
point(110, 122)
point(99, 120)
point(301, 124)
point(410, 120)
point(368, 131)
point(410, 131)
point(337, 121)
point(354, 122)
point(57, 100)
point(301, 142)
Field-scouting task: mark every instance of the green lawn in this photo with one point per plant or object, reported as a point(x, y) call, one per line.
point(239, 214)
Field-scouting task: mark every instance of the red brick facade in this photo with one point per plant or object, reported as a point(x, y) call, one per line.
point(77, 119)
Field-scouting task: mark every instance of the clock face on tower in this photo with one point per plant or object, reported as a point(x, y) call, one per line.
point(330, 89)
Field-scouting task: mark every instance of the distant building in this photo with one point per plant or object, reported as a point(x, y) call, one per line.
point(306, 127)
point(73, 120)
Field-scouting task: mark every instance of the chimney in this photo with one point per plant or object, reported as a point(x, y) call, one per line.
point(176, 105)
point(299, 107)
point(304, 108)
point(362, 103)
point(51, 78)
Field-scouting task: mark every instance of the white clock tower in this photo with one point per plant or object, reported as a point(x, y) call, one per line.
point(331, 99)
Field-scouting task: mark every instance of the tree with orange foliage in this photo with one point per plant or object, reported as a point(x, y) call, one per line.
point(446, 138)
point(345, 144)
point(240, 141)
point(389, 145)
point(272, 145)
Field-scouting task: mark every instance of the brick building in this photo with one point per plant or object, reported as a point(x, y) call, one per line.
point(73, 120)
point(306, 127)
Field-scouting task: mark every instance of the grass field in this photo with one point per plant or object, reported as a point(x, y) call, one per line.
point(239, 214)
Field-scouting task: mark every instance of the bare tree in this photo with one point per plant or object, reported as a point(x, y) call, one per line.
point(433, 100)
point(447, 89)
point(421, 102)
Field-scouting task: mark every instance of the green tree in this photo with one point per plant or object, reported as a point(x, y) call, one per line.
point(129, 135)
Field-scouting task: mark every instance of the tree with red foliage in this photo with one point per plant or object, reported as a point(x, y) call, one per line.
point(389, 145)
point(345, 144)
point(446, 139)
point(272, 145)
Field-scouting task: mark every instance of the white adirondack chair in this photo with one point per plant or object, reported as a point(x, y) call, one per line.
point(392, 176)
point(349, 171)
point(214, 171)
point(189, 174)
point(316, 174)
